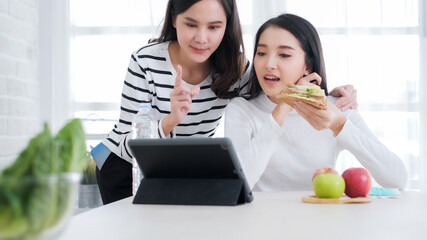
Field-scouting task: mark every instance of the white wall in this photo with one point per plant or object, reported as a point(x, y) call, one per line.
point(423, 94)
point(19, 82)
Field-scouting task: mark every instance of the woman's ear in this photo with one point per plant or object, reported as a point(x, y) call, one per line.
point(307, 70)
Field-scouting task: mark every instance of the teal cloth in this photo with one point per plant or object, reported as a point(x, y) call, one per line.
point(384, 192)
point(100, 153)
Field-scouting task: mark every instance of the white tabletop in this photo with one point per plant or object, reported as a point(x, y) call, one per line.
point(272, 215)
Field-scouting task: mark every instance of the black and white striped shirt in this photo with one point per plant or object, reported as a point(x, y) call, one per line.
point(150, 79)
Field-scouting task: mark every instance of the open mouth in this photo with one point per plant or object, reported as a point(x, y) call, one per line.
point(272, 78)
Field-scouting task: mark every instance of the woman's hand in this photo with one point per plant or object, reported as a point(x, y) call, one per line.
point(330, 118)
point(282, 109)
point(309, 80)
point(347, 97)
point(280, 112)
point(181, 98)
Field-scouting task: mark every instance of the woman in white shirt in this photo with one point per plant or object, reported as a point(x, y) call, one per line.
point(281, 146)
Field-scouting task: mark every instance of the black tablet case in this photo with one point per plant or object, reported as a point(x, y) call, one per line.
point(189, 171)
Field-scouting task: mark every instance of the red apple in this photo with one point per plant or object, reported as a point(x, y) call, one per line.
point(323, 170)
point(357, 182)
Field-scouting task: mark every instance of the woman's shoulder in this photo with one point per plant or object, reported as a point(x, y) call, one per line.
point(153, 55)
point(249, 106)
point(239, 102)
point(153, 49)
point(238, 106)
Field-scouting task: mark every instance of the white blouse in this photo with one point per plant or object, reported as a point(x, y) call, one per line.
point(285, 157)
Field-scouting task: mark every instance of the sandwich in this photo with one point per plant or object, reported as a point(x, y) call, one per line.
point(312, 95)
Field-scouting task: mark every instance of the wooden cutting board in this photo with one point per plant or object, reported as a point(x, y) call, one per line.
point(343, 199)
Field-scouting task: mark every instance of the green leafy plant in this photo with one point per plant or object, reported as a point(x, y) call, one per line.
point(30, 199)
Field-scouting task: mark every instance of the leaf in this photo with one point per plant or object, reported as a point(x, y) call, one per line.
point(72, 149)
point(12, 221)
point(44, 161)
point(33, 160)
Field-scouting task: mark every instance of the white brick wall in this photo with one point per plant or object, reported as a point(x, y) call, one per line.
point(19, 83)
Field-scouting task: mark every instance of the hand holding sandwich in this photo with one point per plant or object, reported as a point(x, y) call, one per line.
point(310, 101)
point(284, 106)
point(302, 91)
point(329, 118)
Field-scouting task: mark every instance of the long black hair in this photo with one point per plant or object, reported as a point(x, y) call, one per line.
point(309, 41)
point(228, 61)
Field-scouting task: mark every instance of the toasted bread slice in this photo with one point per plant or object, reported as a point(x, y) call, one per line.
point(318, 102)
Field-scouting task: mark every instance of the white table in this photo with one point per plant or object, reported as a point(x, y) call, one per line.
point(272, 215)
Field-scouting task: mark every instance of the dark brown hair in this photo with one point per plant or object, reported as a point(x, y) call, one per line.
point(228, 61)
point(309, 41)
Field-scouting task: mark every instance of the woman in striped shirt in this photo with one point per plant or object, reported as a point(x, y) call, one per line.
point(201, 42)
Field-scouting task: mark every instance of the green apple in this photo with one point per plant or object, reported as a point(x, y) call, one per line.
point(328, 185)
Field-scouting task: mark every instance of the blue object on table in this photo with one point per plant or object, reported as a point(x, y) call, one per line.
point(384, 192)
point(100, 153)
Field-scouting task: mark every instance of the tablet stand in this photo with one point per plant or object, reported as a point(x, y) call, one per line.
point(188, 191)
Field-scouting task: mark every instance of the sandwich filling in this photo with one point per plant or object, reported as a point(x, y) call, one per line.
point(304, 91)
point(312, 95)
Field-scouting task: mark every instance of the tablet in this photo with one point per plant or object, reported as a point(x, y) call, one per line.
point(193, 166)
